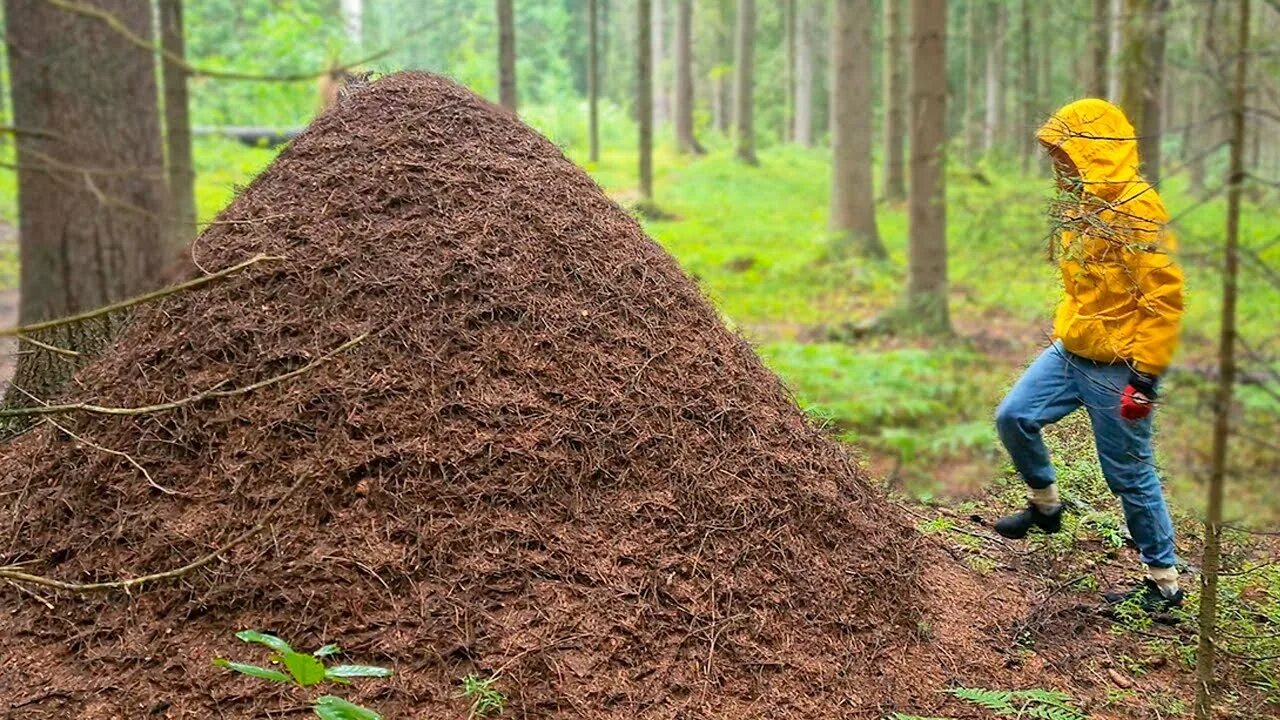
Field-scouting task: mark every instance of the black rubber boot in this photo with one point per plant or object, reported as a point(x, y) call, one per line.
point(1147, 596)
point(1016, 526)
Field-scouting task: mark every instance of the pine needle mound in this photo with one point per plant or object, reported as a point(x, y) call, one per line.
point(548, 459)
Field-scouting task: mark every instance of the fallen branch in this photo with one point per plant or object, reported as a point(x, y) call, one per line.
point(10, 572)
point(46, 346)
point(33, 132)
point(21, 330)
point(120, 454)
point(211, 393)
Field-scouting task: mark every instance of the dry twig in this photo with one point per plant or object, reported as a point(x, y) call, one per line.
point(213, 392)
point(11, 573)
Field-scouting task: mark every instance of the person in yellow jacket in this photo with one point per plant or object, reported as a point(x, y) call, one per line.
point(1115, 332)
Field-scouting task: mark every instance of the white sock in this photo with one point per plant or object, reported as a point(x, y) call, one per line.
point(1046, 499)
point(1165, 578)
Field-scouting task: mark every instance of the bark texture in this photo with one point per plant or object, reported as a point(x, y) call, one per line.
point(852, 216)
point(974, 62)
point(686, 141)
point(1223, 410)
point(806, 71)
point(722, 103)
point(1100, 46)
point(658, 41)
point(789, 47)
point(644, 96)
point(895, 188)
point(177, 126)
point(507, 54)
point(1028, 80)
point(926, 203)
point(1143, 78)
point(593, 79)
point(993, 126)
point(93, 217)
point(744, 82)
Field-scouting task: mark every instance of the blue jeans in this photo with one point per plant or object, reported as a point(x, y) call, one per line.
point(1057, 384)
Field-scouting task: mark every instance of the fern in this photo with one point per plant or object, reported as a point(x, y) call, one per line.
point(1035, 704)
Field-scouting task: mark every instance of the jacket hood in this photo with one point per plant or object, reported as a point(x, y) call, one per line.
point(1099, 140)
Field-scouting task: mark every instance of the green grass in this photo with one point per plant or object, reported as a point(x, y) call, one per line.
point(223, 167)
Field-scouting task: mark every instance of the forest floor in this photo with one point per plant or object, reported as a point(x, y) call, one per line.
point(920, 409)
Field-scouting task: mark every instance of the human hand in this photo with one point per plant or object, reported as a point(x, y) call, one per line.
point(1139, 396)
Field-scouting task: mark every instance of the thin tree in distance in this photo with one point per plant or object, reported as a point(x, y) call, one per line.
point(974, 56)
point(926, 299)
point(789, 81)
point(852, 214)
point(1029, 86)
point(658, 38)
point(744, 82)
point(181, 175)
point(1143, 78)
point(993, 126)
point(894, 96)
point(507, 54)
point(1212, 557)
point(721, 101)
point(686, 142)
point(593, 80)
point(1099, 44)
point(806, 71)
point(644, 102)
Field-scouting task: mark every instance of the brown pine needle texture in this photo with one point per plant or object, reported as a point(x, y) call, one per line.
point(547, 456)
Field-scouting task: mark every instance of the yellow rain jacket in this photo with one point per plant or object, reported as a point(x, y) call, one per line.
point(1123, 289)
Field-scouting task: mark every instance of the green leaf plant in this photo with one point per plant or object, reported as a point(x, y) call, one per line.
point(308, 670)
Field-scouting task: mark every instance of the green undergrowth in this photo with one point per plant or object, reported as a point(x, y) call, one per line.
point(1094, 538)
point(903, 400)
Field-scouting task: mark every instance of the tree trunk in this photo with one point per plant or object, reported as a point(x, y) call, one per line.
point(789, 95)
point(852, 215)
point(177, 122)
point(926, 201)
point(1046, 52)
point(1099, 42)
point(353, 21)
point(685, 139)
point(1195, 136)
point(993, 127)
point(593, 80)
point(1116, 33)
point(1142, 89)
point(744, 82)
point(658, 36)
point(975, 53)
point(895, 188)
point(1153, 111)
point(644, 96)
point(722, 107)
point(1028, 101)
point(507, 54)
point(806, 72)
point(92, 209)
point(1211, 560)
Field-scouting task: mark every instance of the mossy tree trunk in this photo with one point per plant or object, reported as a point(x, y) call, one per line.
point(93, 217)
point(926, 299)
point(852, 214)
point(744, 82)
